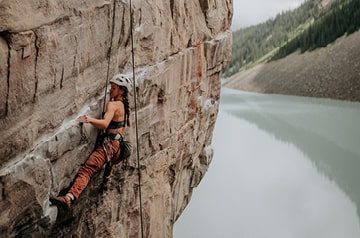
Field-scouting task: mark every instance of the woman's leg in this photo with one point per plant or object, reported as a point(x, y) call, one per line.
point(92, 165)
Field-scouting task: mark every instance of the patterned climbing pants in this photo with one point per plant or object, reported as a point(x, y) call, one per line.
point(93, 164)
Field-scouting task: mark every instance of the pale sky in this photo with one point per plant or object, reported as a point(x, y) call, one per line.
point(247, 13)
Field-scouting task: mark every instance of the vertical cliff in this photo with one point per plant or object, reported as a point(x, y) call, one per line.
point(55, 59)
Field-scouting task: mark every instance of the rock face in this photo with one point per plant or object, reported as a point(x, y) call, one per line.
point(55, 60)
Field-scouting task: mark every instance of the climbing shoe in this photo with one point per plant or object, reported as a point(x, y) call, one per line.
point(63, 202)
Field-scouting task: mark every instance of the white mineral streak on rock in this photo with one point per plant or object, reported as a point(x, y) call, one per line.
point(54, 59)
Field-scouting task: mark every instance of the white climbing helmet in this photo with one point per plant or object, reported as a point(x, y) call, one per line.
point(122, 80)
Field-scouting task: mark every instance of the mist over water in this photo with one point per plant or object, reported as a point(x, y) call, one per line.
point(283, 167)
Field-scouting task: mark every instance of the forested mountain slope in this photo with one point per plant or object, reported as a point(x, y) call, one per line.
point(310, 51)
point(314, 24)
point(328, 72)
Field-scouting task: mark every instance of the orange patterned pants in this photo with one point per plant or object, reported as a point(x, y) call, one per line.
point(93, 164)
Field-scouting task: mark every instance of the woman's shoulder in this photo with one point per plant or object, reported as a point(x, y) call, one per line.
point(115, 104)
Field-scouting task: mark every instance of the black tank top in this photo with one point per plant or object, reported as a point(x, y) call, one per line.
point(116, 124)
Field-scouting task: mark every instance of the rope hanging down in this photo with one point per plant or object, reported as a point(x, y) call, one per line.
point(135, 101)
point(136, 118)
point(109, 57)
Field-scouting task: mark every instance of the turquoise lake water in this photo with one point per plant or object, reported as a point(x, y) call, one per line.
point(283, 166)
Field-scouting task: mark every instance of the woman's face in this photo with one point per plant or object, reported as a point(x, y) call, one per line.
point(114, 90)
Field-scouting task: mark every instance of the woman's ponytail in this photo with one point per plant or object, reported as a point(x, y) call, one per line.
point(126, 107)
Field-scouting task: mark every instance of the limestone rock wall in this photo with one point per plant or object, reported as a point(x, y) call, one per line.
point(55, 59)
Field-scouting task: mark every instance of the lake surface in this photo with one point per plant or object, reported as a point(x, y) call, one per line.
point(283, 166)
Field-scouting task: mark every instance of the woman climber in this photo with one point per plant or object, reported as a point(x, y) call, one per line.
point(114, 120)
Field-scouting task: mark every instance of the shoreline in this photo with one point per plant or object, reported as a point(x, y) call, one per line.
point(331, 72)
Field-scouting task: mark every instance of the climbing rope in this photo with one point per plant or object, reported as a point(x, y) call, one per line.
point(135, 100)
point(136, 118)
point(109, 57)
point(101, 132)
